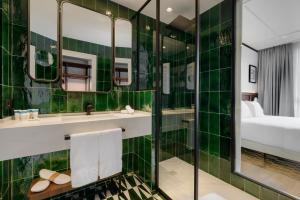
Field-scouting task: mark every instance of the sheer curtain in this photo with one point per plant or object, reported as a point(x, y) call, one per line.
point(296, 64)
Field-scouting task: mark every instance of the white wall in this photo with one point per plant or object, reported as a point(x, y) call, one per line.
point(249, 57)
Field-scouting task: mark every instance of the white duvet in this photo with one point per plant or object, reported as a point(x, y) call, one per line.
point(283, 132)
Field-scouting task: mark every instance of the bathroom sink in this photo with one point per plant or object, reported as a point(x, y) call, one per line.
point(48, 132)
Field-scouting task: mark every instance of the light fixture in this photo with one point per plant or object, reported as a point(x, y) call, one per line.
point(169, 9)
point(187, 48)
point(108, 12)
point(164, 47)
point(148, 28)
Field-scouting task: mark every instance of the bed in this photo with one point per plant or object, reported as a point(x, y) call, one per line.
point(274, 135)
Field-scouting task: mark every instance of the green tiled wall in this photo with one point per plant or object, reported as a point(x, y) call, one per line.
point(104, 60)
point(44, 45)
point(16, 175)
point(26, 93)
point(215, 100)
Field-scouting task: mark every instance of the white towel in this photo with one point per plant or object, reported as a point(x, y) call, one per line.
point(110, 152)
point(84, 158)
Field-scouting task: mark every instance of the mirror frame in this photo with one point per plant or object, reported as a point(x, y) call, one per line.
point(57, 78)
point(60, 48)
point(114, 51)
point(236, 98)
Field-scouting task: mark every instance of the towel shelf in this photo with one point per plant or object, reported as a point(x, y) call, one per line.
point(68, 137)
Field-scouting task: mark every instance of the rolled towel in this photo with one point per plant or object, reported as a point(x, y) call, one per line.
point(129, 109)
point(54, 177)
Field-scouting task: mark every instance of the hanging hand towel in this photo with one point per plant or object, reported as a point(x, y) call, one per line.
point(110, 152)
point(84, 158)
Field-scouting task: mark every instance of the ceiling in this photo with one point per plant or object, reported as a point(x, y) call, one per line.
point(185, 8)
point(268, 23)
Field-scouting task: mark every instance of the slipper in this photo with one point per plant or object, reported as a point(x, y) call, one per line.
point(40, 186)
point(54, 177)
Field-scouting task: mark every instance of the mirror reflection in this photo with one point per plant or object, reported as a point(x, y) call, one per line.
point(123, 50)
point(268, 139)
point(43, 40)
point(87, 49)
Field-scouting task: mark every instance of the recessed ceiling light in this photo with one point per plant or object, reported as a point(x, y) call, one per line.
point(169, 9)
point(108, 12)
point(164, 47)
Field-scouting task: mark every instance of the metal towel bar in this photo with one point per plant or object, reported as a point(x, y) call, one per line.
point(68, 137)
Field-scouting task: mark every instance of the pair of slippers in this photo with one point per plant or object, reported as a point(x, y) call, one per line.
point(49, 176)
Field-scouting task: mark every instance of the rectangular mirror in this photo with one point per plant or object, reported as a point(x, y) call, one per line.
point(87, 49)
point(267, 94)
point(123, 52)
point(43, 40)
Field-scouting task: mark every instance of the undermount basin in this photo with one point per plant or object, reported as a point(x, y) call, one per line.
point(47, 133)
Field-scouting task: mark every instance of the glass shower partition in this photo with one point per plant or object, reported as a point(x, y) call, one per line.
point(177, 62)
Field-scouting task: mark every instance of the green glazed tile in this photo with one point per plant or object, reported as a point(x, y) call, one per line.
point(59, 161)
point(40, 162)
point(75, 102)
point(214, 104)
point(237, 181)
point(20, 189)
point(252, 188)
point(225, 169)
point(214, 145)
point(204, 161)
point(22, 168)
point(225, 148)
point(214, 123)
point(267, 194)
point(214, 79)
point(214, 166)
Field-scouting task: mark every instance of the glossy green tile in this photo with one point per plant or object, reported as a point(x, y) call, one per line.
point(101, 101)
point(19, 12)
point(22, 168)
point(214, 16)
point(225, 148)
point(214, 79)
point(252, 188)
point(267, 194)
point(214, 145)
point(214, 123)
point(225, 79)
point(20, 189)
point(214, 166)
point(214, 104)
point(214, 59)
point(237, 181)
point(19, 40)
point(74, 102)
point(40, 162)
point(225, 171)
point(225, 125)
point(59, 161)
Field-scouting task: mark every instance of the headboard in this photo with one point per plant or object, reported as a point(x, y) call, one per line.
point(249, 96)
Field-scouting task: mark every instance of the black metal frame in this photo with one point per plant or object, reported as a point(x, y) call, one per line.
point(60, 43)
point(252, 67)
point(233, 102)
point(57, 78)
point(114, 50)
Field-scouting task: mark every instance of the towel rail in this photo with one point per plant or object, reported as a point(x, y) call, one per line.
point(68, 137)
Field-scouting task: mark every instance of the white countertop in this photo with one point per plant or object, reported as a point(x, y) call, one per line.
point(66, 118)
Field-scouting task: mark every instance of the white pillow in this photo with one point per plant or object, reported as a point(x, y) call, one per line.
point(255, 108)
point(245, 110)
